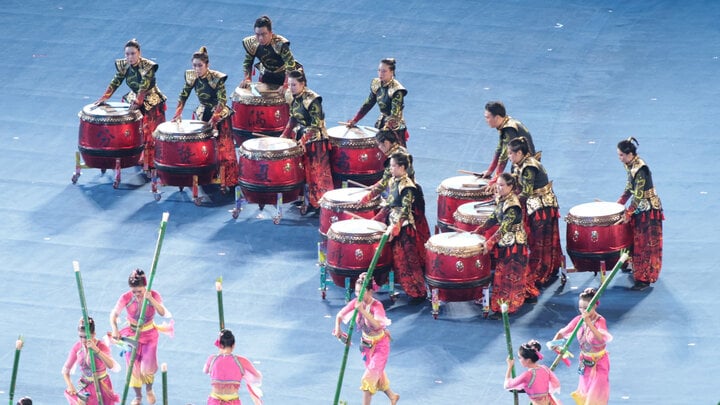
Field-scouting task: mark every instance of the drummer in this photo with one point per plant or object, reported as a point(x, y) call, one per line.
point(644, 212)
point(144, 95)
point(209, 87)
point(541, 214)
point(389, 95)
point(273, 52)
point(508, 129)
point(506, 239)
point(307, 126)
point(388, 144)
point(404, 213)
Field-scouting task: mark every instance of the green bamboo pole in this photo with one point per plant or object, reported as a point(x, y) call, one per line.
point(18, 346)
point(163, 369)
point(143, 307)
point(508, 341)
point(351, 325)
point(221, 315)
point(603, 286)
point(88, 335)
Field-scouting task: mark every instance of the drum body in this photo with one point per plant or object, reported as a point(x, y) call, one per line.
point(109, 132)
point(266, 113)
point(351, 246)
point(183, 150)
point(471, 215)
point(456, 267)
point(455, 191)
point(593, 236)
point(355, 155)
point(338, 205)
point(269, 166)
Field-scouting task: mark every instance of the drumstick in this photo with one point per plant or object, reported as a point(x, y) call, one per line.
point(347, 123)
point(355, 183)
point(484, 203)
point(360, 191)
point(258, 134)
point(472, 173)
point(456, 229)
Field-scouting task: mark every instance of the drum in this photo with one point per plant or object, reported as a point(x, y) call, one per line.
point(269, 166)
point(471, 215)
point(593, 235)
point(455, 191)
point(456, 267)
point(351, 246)
point(108, 132)
point(355, 155)
point(183, 150)
point(335, 205)
point(264, 111)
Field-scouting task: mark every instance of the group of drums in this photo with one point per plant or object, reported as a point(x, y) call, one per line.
point(270, 168)
point(456, 268)
point(271, 171)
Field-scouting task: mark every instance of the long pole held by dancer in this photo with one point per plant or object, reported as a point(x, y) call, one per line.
point(18, 346)
point(508, 341)
point(361, 294)
point(218, 288)
point(603, 286)
point(88, 335)
point(163, 370)
point(143, 307)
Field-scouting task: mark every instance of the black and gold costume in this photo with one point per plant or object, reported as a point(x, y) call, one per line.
point(508, 130)
point(390, 98)
point(276, 59)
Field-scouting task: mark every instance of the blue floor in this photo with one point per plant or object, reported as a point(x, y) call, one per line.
point(581, 75)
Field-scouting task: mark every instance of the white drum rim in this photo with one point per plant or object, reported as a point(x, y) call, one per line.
point(272, 143)
point(596, 209)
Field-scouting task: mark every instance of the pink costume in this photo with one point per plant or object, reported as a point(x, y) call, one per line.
point(539, 384)
point(375, 346)
point(226, 372)
point(146, 359)
point(78, 356)
point(594, 385)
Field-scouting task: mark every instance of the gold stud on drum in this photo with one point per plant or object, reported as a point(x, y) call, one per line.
point(359, 254)
point(478, 264)
point(459, 266)
point(333, 219)
point(575, 236)
point(594, 236)
point(286, 168)
point(127, 133)
point(204, 150)
point(363, 157)
point(277, 114)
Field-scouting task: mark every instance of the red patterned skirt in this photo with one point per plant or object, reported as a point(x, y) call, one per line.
point(226, 154)
point(151, 120)
point(647, 245)
point(544, 244)
point(317, 170)
point(408, 250)
point(509, 280)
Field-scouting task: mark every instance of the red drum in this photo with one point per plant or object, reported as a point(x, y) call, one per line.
point(455, 191)
point(269, 166)
point(456, 267)
point(593, 235)
point(263, 110)
point(335, 205)
point(473, 214)
point(355, 155)
point(109, 132)
point(183, 150)
point(350, 249)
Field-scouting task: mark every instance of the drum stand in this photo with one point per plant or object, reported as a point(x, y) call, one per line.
point(79, 165)
point(197, 199)
point(484, 301)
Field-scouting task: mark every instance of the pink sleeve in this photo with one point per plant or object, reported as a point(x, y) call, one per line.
point(378, 312)
point(567, 330)
point(601, 325)
point(346, 312)
point(206, 368)
point(518, 383)
point(121, 303)
point(71, 359)
point(252, 375)
point(554, 383)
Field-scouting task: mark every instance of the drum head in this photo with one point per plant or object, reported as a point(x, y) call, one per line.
point(357, 227)
point(469, 183)
point(268, 144)
point(109, 112)
point(475, 209)
point(183, 131)
point(343, 132)
point(345, 195)
point(596, 209)
point(460, 240)
point(265, 95)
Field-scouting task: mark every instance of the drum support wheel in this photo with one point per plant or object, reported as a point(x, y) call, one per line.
point(277, 217)
point(196, 199)
point(435, 303)
point(78, 166)
point(240, 202)
point(322, 260)
point(116, 183)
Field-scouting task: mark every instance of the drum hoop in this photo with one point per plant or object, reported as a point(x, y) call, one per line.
point(267, 101)
point(348, 206)
point(177, 137)
point(454, 251)
point(131, 116)
point(477, 194)
point(469, 219)
point(351, 238)
point(294, 151)
point(353, 143)
point(602, 220)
